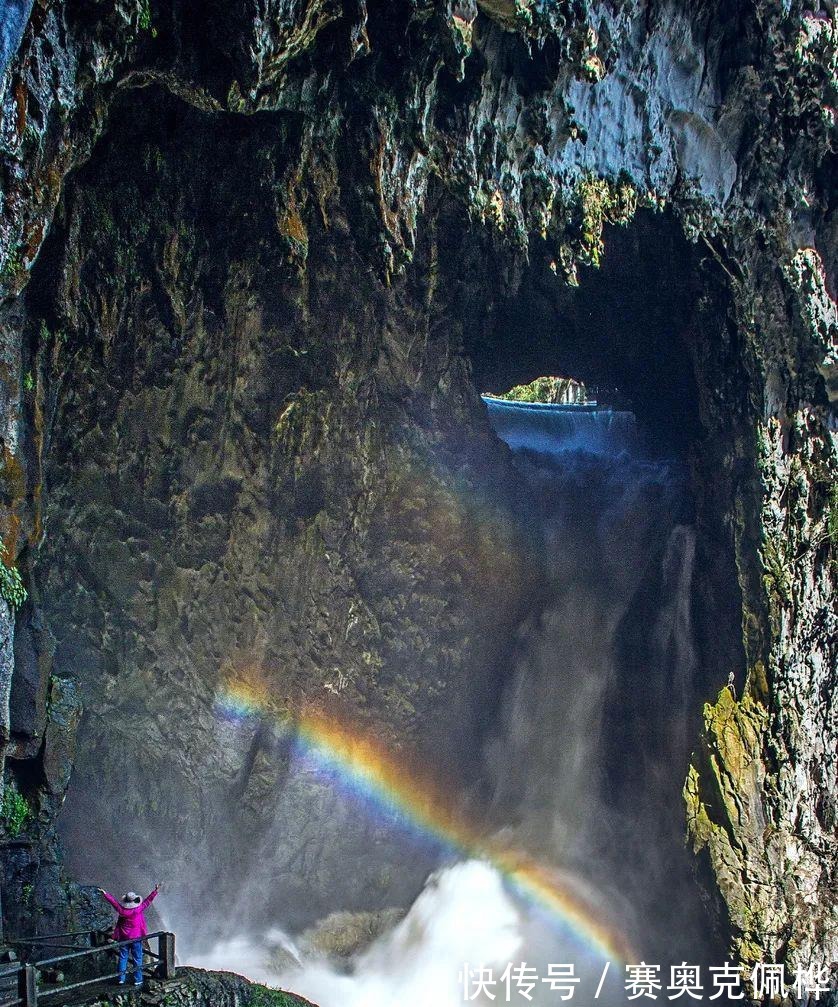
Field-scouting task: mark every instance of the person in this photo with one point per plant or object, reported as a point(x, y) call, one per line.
point(131, 926)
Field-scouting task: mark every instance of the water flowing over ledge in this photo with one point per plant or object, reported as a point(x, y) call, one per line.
point(547, 428)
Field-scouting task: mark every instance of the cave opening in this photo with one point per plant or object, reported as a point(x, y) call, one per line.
point(638, 617)
point(274, 493)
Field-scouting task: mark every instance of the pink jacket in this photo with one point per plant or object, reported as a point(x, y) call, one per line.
point(131, 924)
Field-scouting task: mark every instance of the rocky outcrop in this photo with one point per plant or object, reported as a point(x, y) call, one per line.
point(241, 358)
point(768, 765)
point(196, 988)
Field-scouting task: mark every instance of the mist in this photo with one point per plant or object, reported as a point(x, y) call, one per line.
point(585, 755)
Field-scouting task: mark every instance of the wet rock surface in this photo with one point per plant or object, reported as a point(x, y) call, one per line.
point(240, 358)
point(196, 988)
point(286, 507)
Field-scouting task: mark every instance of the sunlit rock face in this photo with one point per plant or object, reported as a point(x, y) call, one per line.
point(241, 359)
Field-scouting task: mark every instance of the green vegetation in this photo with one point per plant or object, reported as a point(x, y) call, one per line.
point(11, 586)
point(12, 265)
point(31, 135)
point(264, 997)
point(523, 14)
point(596, 202)
point(29, 382)
point(548, 389)
point(777, 564)
point(591, 66)
point(14, 811)
point(144, 18)
point(603, 203)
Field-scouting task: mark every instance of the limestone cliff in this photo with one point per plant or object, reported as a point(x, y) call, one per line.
point(263, 240)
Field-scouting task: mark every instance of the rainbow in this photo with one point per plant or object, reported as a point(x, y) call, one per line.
point(370, 772)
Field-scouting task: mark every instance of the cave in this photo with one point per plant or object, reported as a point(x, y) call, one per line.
point(313, 607)
point(193, 491)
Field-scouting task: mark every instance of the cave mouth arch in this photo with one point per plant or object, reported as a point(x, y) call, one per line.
point(636, 331)
point(218, 420)
point(631, 330)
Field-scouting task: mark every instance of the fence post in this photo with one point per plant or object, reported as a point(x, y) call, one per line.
point(166, 949)
point(27, 987)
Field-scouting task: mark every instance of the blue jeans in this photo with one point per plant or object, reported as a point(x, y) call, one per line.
point(136, 950)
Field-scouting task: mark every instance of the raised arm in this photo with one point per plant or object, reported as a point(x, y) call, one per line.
point(110, 899)
point(150, 897)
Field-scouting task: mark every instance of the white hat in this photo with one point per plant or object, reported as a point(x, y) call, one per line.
point(130, 899)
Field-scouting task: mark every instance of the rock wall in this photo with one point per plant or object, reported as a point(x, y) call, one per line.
point(248, 490)
point(295, 452)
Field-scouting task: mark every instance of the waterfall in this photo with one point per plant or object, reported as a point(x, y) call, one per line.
point(591, 742)
point(552, 429)
point(586, 751)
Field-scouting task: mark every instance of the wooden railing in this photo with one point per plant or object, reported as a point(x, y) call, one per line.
point(23, 985)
